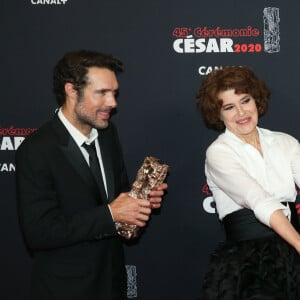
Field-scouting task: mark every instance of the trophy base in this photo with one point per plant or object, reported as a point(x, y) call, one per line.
point(128, 231)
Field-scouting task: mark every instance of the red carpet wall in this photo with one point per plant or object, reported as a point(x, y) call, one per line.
point(166, 47)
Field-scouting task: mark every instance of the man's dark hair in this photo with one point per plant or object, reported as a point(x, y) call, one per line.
point(73, 68)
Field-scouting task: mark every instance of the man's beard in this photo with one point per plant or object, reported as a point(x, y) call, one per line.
point(84, 120)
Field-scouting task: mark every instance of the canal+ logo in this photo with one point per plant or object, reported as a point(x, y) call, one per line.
point(48, 2)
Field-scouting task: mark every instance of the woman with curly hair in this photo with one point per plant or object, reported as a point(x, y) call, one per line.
point(251, 172)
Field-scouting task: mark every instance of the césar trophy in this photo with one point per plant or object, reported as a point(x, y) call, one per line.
point(151, 174)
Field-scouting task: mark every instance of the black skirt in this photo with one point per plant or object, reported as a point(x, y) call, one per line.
point(263, 268)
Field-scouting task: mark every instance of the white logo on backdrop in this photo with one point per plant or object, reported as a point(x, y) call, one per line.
point(249, 38)
point(10, 139)
point(7, 167)
point(204, 70)
point(271, 30)
point(209, 205)
point(131, 281)
point(10, 142)
point(48, 2)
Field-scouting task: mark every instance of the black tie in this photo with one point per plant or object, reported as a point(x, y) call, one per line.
point(94, 165)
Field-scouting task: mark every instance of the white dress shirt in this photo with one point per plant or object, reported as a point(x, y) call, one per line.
point(239, 176)
point(80, 138)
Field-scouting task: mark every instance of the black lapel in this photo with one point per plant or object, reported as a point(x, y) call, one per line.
point(74, 155)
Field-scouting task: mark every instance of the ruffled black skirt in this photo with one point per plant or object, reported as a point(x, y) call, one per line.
point(265, 268)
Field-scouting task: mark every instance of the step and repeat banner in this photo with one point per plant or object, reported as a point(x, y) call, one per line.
point(167, 47)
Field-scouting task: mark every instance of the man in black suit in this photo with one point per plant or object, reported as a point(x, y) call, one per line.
point(66, 215)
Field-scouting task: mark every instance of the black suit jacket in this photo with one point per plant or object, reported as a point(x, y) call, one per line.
point(65, 219)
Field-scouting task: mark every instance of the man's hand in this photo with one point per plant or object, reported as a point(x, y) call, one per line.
point(155, 196)
point(126, 209)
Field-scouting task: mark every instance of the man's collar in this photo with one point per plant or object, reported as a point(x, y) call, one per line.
point(79, 137)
